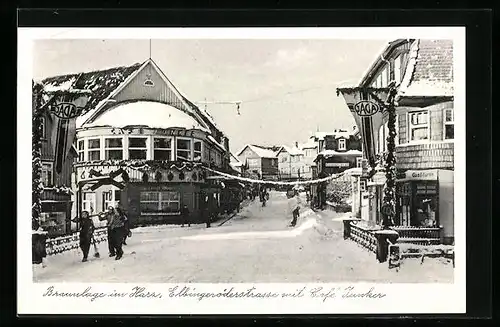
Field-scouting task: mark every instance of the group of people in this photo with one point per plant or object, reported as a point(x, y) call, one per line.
point(118, 229)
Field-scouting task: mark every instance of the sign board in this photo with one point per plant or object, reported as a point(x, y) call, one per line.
point(362, 185)
point(366, 108)
point(337, 164)
point(421, 175)
point(64, 109)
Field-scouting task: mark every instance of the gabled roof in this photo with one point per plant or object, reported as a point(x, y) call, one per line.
point(430, 69)
point(293, 151)
point(261, 151)
point(101, 82)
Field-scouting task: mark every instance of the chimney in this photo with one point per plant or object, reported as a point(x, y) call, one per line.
point(296, 144)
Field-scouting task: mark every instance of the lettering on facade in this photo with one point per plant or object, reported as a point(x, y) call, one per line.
point(421, 175)
point(65, 110)
point(366, 108)
point(337, 164)
point(162, 132)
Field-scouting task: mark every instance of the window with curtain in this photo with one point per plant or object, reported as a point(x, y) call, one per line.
point(137, 148)
point(94, 149)
point(162, 148)
point(81, 150)
point(197, 150)
point(113, 148)
point(418, 123)
point(183, 149)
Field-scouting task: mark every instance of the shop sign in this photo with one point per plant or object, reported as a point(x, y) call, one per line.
point(337, 164)
point(421, 175)
point(366, 108)
point(65, 110)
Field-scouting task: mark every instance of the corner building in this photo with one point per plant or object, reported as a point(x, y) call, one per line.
point(140, 124)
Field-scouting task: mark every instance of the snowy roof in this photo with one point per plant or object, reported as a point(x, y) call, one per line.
point(293, 151)
point(211, 138)
point(329, 153)
point(310, 144)
point(430, 69)
point(146, 113)
point(100, 82)
point(263, 152)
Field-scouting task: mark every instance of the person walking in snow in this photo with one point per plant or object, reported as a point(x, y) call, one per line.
point(185, 216)
point(294, 208)
point(116, 232)
point(123, 216)
point(86, 233)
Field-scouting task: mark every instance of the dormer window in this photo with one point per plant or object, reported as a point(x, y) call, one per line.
point(342, 145)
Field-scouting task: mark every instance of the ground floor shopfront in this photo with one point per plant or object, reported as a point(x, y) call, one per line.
point(158, 196)
point(55, 216)
point(424, 198)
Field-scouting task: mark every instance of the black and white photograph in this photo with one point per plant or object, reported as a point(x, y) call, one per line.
point(329, 162)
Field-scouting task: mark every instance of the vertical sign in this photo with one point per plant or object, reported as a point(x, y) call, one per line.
point(64, 109)
point(366, 107)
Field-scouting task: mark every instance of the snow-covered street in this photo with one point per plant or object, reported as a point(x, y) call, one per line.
point(255, 246)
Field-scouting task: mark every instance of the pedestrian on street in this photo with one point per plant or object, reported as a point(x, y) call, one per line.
point(116, 232)
point(123, 216)
point(185, 216)
point(86, 233)
point(294, 207)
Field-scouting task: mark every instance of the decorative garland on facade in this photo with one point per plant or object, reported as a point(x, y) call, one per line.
point(36, 153)
point(389, 200)
point(143, 165)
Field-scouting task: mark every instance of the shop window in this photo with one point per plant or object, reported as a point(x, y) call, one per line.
point(47, 174)
point(89, 202)
point(137, 148)
point(110, 198)
point(81, 150)
point(160, 203)
point(113, 149)
point(162, 148)
point(342, 144)
point(418, 125)
point(184, 149)
point(94, 149)
point(449, 124)
point(197, 150)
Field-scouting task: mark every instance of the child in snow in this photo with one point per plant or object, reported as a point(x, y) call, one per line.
point(86, 232)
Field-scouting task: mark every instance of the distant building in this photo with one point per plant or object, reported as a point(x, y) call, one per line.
point(291, 162)
point(338, 151)
point(310, 150)
point(260, 161)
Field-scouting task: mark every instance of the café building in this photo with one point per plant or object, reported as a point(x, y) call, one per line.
point(144, 145)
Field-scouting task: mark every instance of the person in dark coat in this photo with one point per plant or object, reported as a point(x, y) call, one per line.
point(185, 216)
point(86, 232)
point(116, 232)
point(126, 233)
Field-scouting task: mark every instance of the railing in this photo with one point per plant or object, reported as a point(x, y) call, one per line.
point(364, 237)
point(419, 235)
point(66, 243)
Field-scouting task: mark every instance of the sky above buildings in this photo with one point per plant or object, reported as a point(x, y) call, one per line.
point(287, 88)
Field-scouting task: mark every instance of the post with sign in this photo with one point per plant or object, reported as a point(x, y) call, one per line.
point(368, 106)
